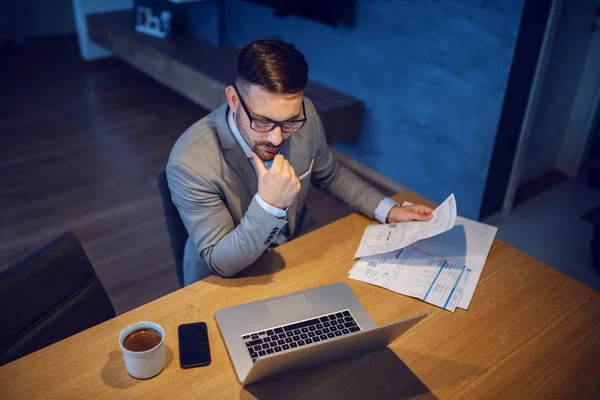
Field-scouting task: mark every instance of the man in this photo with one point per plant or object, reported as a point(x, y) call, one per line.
point(239, 177)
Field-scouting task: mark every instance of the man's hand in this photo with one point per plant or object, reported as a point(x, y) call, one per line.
point(279, 185)
point(417, 212)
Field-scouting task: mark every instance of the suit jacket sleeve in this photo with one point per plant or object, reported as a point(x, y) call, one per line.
point(225, 248)
point(338, 181)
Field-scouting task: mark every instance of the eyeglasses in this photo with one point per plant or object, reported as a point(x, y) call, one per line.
point(267, 125)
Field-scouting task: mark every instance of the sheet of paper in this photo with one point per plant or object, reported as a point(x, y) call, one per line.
point(379, 239)
point(467, 243)
point(447, 287)
point(412, 273)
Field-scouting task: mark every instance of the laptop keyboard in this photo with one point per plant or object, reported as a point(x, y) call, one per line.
point(291, 336)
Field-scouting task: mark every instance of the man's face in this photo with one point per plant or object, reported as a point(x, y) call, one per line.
point(264, 105)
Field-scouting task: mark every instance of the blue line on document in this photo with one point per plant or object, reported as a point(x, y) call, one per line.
point(455, 285)
point(435, 279)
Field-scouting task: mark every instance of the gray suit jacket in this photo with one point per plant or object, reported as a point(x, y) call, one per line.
point(213, 184)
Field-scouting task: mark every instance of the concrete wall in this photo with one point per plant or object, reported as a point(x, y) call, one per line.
point(432, 75)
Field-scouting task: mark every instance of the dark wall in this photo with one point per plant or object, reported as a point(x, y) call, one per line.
point(567, 59)
point(24, 19)
point(531, 36)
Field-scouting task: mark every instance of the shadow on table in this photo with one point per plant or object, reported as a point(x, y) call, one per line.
point(259, 273)
point(380, 374)
point(451, 372)
point(451, 245)
point(114, 374)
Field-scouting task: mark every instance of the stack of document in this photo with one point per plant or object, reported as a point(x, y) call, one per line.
point(438, 261)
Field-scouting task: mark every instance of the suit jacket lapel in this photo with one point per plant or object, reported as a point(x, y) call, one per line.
point(242, 165)
point(288, 153)
point(233, 152)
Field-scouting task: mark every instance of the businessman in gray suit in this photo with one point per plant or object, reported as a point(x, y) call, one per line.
point(239, 177)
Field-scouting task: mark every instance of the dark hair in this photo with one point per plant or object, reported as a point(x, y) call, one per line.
point(273, 64)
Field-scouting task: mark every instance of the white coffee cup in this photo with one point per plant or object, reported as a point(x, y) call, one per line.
point(144, 364)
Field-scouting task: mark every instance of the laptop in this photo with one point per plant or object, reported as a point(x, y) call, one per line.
point(273, 336)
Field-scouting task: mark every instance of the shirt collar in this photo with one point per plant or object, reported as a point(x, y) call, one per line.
point(237, 134)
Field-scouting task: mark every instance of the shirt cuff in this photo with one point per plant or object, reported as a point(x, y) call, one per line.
point(276, 212)
point(383, 209)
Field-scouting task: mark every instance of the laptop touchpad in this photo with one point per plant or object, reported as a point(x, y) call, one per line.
point(289, 309)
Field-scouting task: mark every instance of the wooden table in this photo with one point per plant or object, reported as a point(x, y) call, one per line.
point(531, 332)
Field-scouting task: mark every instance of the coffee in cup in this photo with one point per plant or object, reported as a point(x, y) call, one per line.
point(142, 340)
point(143, 346)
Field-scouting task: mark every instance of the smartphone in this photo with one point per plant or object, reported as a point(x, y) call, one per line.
point(194, 350)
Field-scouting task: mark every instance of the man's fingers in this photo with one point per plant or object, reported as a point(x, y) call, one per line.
point(420, 217)
point(286, 168)
point(258, 162)
point(292, 172)
point(421, 209)
point(278, 162)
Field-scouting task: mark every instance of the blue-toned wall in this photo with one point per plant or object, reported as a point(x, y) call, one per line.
point(432, 74)
point(202, 20)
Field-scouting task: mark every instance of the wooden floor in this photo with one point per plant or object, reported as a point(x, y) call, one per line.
point(80, 148)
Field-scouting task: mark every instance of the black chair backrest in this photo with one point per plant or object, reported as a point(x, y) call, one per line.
point(177, 232)
point(49, 295)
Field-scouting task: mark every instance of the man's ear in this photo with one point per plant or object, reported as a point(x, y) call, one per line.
point(232, 98)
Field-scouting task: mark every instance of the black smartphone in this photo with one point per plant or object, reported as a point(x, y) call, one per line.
point(194, 350)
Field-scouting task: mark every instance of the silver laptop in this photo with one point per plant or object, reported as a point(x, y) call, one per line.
point(269, 337)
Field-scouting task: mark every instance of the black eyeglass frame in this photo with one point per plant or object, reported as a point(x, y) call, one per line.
point(275, 123)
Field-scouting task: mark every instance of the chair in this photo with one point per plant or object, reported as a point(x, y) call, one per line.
point(48, 296)
point(177, 233)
